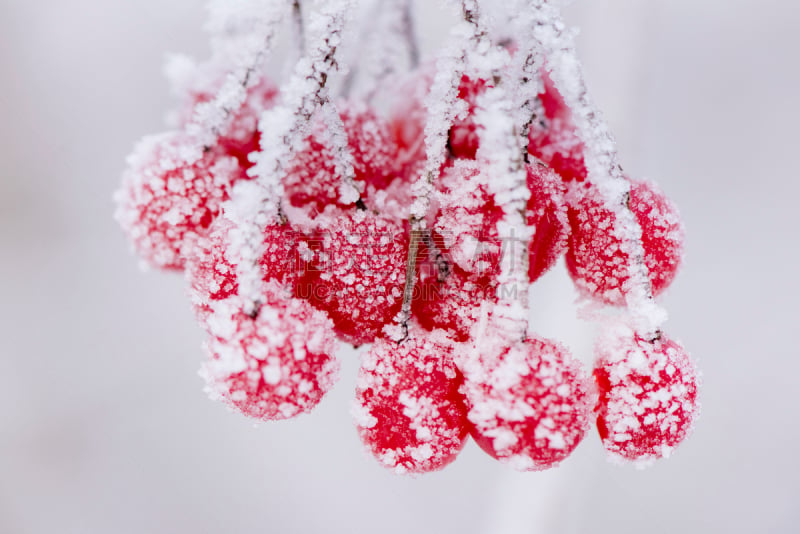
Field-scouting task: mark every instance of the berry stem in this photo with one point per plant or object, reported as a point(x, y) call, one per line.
point(603, 168)
point(502, 149)
point(247, 49)
point(283, 131)
point(443, 106)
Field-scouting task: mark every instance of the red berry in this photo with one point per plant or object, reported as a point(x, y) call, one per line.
point(453, 303)
point(275, 365)
point(458, 268)
point(595, 259)
point(408, 409)
point(554, 139)
point(212, 275)
point(407, 118)
point(467, 218)
point(356, 274)
point(311, 180)
point(648, 396)
point(170, 195)
point(241, 135)
point(547, 215)
point(464, 138)
point(530, 406)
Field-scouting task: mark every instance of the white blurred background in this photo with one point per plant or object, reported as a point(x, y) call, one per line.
point(104, 427)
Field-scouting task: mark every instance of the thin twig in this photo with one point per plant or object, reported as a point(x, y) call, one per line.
point(442, 108)
point(211, 118)
point(600, 156)
point(283, 131)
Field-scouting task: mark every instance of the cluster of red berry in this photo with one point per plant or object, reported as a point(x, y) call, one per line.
point(334, 270)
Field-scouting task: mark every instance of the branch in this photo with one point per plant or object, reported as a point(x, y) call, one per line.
point(600, 155)
point(443, 107)
point(502, 149)
point(244, 35)
point(283, 132)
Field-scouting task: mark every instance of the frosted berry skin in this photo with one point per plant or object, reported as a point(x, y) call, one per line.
point(463, 141)
point(311, 181)
point(408, 410)
point(547, 215)
point(407, 117)
point(241, 135)
point(596, 259)
point(530, 406)
point(554, 139)
point(452, 304)
point(355, 272)
point(212, 276)
point(171, 193)
point(647, 396)
point(275, 365)
point(458, 268)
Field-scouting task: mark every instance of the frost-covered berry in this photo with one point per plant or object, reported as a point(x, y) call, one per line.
point(466, 222)
point(648, 396)
point(170, 195)
point(547, 215)
point(212, 275)
point(451, 302)
point(595, 258)
point(554, 138)
point(240, 136)
point(407, 117)
point(311, 181)
point(530, 405)
point(464, 139)
point(459, 265)
point(355, 271)
point(408, 409)
point(275, 365)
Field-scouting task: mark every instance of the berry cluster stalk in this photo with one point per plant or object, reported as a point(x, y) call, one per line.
point(600, 154)
point(503, 147)
point(283, 130)
point(443, 107)
point(254, 36)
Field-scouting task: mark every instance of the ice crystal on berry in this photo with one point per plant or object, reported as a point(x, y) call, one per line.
point(596, 259)
point(408, 408)
point(458, 266)
point(170, 195)
point(273, 365)
point(648, 395)
point(212, 274)
point(530, 405)
point(356, 273)
point(311, 180)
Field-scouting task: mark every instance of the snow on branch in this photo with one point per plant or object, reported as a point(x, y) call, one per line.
point(444, 107)
point(600, 156)
point(242, 32)
point(283, 132)
point(502, 154)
